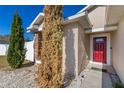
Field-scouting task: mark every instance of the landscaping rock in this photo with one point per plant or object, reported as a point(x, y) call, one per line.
point(18, 78)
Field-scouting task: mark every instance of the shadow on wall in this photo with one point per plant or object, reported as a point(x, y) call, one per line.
point(70, 54)
point(83, 51)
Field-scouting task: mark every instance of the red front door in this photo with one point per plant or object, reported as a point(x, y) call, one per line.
point(99, 49)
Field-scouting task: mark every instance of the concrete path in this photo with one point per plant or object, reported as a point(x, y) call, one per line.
point(94, 76)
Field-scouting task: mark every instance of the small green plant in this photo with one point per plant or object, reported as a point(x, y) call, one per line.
point(16, 51)
point(118, 85)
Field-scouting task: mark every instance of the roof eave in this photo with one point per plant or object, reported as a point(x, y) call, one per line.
point(85, 8)
point(40, 15)
point(73, 18)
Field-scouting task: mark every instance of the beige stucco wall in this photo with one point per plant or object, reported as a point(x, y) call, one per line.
point(76, 49)
point(97, 17)
point(118, 50)
point(83, 49)
point(70, 49)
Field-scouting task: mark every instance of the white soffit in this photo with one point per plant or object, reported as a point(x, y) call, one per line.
point(105, 29)
point(37, 20)
point(73, 18)
point(114, 14)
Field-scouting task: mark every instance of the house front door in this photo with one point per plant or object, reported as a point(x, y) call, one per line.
point(99, 49)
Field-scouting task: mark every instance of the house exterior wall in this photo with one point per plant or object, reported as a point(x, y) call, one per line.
point(76, 49)
point(97, 17)
point(83, 49)
point(118, 50)
point(70, 50)
point(41, 27)
point(37, 45)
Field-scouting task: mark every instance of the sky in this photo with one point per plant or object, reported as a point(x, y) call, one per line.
point(28, 14)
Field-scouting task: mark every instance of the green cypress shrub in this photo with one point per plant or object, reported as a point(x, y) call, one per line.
point(16, 51)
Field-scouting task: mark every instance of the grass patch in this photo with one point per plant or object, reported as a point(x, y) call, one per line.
point(5, 66)
point(117, 85)
point(3, 62)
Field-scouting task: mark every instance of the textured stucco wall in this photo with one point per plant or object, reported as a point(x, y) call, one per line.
point(70, 50)
point(76, 49)
point(97, 17)
point(118, 50)
point(83, 49)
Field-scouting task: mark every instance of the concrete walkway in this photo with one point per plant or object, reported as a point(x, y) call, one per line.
point(95, 76)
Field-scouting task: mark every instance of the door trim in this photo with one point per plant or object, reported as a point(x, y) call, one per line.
point(108, 54)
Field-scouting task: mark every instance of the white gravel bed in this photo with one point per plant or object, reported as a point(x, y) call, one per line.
point(19, 78)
